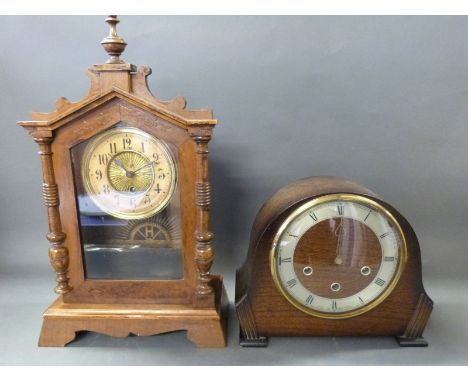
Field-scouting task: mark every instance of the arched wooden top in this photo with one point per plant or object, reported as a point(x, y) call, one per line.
point(298, 191)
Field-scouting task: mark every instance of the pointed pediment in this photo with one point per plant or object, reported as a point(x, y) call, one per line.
point(126, 82)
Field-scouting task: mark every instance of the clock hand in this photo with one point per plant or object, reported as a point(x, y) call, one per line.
point(119, 164)
point(129, 174)
point(146, 165)
point(339, 232)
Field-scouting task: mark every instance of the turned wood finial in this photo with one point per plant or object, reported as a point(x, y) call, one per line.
point(113, 43)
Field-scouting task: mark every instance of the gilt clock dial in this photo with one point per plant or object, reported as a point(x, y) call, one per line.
point(338, 256)
point(128, 173)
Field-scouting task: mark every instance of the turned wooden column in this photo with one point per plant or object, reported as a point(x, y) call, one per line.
point(58, 253)
point(203, 252)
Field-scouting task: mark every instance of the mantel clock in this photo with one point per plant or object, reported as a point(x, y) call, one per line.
point(126, 186)
point(328, 257)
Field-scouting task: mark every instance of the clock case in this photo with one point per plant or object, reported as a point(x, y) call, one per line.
point(196, 303)
point(264, 312)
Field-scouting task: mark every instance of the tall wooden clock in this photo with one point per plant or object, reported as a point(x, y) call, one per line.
point(126, 186)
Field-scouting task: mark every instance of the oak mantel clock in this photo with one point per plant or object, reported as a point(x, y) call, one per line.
point(126, 186)
point(328, 257)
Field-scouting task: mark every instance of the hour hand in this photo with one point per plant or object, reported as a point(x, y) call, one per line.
point(128, 174)
point(119, 164)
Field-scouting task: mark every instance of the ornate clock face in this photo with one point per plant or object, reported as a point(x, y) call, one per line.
point(128, 173)
point(338, 255)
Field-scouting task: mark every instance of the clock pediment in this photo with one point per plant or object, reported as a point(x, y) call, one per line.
point(108, 83)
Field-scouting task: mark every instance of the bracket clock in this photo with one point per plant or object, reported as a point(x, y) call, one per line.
point(126, 186)
point(328, 257)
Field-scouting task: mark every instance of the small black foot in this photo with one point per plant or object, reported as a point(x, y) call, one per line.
point(412, 342)
point(259, 342)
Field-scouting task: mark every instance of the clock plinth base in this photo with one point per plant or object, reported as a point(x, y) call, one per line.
point(412, 342)
point(206, 327)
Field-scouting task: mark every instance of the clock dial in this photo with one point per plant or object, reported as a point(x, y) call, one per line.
point(338, 255)
point(128, 173)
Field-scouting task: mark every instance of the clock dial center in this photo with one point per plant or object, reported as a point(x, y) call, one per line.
point(137, 174)
point(345, 247)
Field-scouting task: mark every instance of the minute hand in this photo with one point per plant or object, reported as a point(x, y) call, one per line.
point(339, 232)
point(146, 165)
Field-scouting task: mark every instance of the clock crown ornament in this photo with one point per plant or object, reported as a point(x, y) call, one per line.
point(113, 44)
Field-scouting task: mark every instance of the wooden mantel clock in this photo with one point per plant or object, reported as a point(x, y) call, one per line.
point(328, 257)
point(125, 183)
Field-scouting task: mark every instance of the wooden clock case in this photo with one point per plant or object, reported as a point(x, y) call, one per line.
point(197, 302)
point(264, 312)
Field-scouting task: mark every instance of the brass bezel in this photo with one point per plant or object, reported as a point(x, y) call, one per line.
point(85, 175)
point(324, 199)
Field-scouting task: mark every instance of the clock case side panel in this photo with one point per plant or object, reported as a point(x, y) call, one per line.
point(422, 305)
point(123, 291)
point(263, 311)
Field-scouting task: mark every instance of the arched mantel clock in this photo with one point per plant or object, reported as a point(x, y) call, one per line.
point(328, 257)
point(125, 183)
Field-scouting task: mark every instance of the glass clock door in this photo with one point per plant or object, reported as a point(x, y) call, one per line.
point(128, 204)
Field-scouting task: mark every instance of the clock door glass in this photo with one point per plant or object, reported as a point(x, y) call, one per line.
point(338, 256)
point(128, 202)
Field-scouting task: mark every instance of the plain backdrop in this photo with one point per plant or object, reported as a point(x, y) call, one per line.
point(380, 100)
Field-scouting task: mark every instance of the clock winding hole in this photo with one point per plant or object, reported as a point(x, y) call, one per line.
point(365, 271)
point(335, 287)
